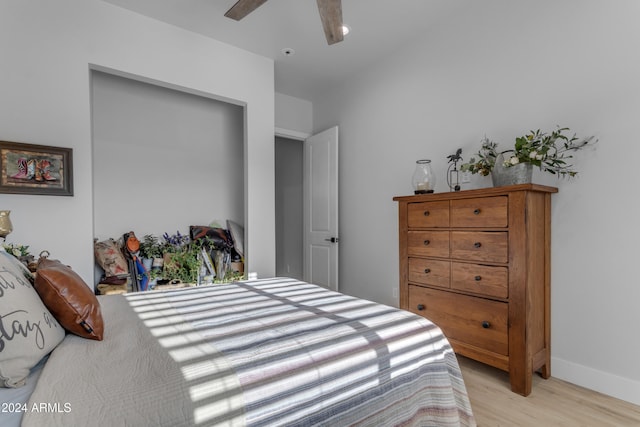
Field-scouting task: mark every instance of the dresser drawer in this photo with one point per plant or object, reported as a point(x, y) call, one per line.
point(428, 214)
point(471, 320)
point(428, 243)
point(487, 280)
point(480, 212)
point(430, 272)
point(490, 246)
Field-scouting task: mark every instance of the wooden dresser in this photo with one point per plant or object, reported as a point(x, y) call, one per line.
point(477, 264)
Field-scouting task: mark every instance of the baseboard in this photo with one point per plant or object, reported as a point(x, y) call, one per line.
point(602, 382)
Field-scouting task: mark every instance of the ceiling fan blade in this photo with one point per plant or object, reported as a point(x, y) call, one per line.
point(242, 8)
point(331, 15)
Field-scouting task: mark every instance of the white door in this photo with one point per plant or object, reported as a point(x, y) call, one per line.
point(320, 180)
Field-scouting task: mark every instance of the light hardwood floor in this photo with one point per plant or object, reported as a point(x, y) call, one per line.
point(552, 402)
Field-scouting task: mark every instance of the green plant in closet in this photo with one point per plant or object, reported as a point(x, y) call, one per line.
point(174, 242)
point(230, 276)
point(150, 247)
point(183, 264)
point(155, 273)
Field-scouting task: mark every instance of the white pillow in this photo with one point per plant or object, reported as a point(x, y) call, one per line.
point(237, 235)
point(28, 331)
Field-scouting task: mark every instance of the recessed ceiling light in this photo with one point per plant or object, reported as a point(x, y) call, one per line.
point(345, 30)
point(287, 51)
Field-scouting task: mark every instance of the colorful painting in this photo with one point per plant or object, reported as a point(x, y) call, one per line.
point(35, 169)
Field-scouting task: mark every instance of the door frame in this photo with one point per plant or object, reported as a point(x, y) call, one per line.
point(299, 137)
point(292, 134)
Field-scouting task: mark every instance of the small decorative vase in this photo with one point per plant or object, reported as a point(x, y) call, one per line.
point(520, 173)
point(424, 181)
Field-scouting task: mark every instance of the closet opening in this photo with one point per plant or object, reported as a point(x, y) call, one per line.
point(163, 159)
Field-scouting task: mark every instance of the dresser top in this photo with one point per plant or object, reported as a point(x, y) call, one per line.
point(480, 192)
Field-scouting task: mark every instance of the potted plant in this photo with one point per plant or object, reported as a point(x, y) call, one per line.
point(550, 152)
point(183, 264)
point(486, 159)
point(174, 242)
point(178, 258)
point(150, 249)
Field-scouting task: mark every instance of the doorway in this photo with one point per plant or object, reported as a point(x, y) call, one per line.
point(289, 203)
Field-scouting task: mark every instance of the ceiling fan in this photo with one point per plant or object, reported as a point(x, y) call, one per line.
point(330, 14)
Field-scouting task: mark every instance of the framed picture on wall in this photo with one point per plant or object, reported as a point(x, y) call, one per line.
point(35, 169)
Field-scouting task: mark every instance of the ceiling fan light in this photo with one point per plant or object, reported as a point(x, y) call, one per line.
point(345, 29)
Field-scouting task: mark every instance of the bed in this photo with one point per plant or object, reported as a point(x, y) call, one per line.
point(253, 353)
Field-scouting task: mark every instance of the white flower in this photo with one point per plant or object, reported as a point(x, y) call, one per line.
point(16, 252)
point(533, 155)
point(539, 157)
point(514, 160)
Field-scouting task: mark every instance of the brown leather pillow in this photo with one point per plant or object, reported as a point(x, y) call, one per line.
point(69, 299)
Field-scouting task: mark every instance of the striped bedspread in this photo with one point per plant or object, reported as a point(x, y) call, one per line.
point(258, 353)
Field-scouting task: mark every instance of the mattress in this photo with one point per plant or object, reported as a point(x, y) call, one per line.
point(254, 353)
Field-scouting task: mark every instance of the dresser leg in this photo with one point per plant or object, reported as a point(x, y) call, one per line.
point(521, 384)
point(545, 371)
point(542, 363)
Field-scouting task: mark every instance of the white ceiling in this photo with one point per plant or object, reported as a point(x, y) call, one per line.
point(378, 27)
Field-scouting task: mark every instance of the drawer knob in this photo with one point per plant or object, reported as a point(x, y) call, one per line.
point(426, 213)
point(486, 324)
point(478, 278)
point(427, 270)
point(476, 211)
point(477, 244)
point(421, 307)
point(426, 242)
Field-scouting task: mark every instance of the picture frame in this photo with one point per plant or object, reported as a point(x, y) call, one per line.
point(35, 169)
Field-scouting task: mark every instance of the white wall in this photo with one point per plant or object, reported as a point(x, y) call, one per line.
point(162, 159)
point(48, 49)
point(502, 68)
point(293, 115)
